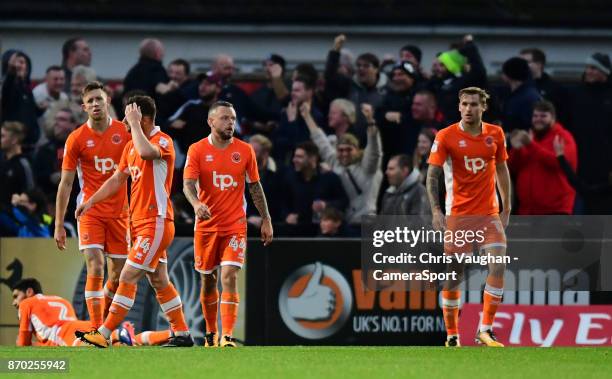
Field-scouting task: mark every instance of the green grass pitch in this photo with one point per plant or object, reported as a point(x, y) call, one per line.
point(322, 362)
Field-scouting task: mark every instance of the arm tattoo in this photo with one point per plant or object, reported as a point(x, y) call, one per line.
point(259, 199)
point(433, 186)
point(190, 190)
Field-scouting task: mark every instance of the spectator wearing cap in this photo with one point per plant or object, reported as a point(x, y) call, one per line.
point(413, 54)
point(547, 87)
point(332, 224)
point(359, 171)
point(223, 66)
point(534, 165)
point(267, 99)
point(270, 175)
point(309, 191)
point(16, 175)
point(177, 91)
point(406, 194)
point(188, 124)
point(517, 107)
point(453, 70)
point(17, 100)
point(592, 126)
point(397, 128)
point(292, 128)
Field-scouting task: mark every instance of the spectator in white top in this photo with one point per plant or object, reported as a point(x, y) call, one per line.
point(51, 90)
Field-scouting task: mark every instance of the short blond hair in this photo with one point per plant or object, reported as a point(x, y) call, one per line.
point(484, 95)
point(263, 141)
point(347, 107)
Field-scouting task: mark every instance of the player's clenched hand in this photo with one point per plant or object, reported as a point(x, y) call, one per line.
point(438, 221)
point(132, 114)
point(201, 211)
point(266, 232)
point(60, 237)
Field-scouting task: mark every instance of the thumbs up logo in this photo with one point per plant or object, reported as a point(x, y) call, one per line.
point(315, 301)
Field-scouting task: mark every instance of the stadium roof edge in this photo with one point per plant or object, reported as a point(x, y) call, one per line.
point(189, 28)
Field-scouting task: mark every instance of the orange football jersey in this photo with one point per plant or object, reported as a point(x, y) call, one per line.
point(222, 174)
point(95, 156)
point(45, 315)
point(469, 164)
point(151, 179)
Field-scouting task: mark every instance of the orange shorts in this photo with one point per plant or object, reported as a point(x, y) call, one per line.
point(474, 234)
point(65, 334)
point(150, 239)
point(214, 249)
point(107, 234)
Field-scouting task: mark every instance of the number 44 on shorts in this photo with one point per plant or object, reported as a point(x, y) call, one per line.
point(236, 243)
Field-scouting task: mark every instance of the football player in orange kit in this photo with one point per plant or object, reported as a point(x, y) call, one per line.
point(52, 320)
point(93, 151)
point(149, 160)
point(471, 156)
point(216, 171)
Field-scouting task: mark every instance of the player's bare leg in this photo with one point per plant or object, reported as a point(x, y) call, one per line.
point(170, 302)
point(209, 298)
point(229, 303)
point(451, 301)
point(113, 268)
point(493, 292)
point(94, 294)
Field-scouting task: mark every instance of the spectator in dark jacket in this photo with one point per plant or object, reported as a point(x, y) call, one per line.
point(406, 194)
point(541, 185)
point(518, 106)
point(27, 217)
point(267, 104)
point(47, 161)
point(309, 190)
point(338, 71)
point(271, 180)
point(17, 99)
point(453, 70)
point(293, 129)
point(547, 87)
point(149, 72)
point(178, 90)
point(592, 126)
point(223, 67)
point(16, 172)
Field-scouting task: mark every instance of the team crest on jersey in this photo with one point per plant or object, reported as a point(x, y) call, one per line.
point(90, 143)
point(236, 157)
point(209, 158)
point(116, 138)
point(163, 142)
point(489, 141)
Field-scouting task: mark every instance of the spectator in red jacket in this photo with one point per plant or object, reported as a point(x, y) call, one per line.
point(541, 185)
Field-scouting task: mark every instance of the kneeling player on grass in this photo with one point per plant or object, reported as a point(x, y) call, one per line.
point(149, 159)
point(52, 320)
point(221, 165)
point(470, 155)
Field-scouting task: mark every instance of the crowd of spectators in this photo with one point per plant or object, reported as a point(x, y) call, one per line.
point(332, 146)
